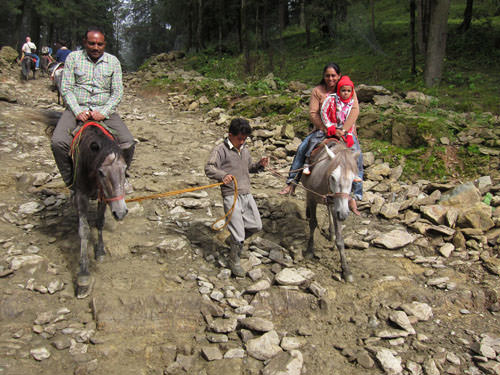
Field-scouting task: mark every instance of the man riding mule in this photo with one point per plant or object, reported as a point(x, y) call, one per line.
point(29, 49)
point(92, 88)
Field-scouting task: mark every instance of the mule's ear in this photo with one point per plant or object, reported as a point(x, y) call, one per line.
point(329, 152)
point(356, 155)
point(94, 146)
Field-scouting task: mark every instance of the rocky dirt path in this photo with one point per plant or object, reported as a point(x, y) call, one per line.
point(163, 302)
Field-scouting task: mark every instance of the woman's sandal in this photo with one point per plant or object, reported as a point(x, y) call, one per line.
point(288, 190)
point(353, 207)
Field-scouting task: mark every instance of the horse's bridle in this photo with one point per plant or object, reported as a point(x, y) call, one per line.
point(102, 197)
point(331, 196)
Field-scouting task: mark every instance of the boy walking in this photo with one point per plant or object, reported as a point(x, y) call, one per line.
point(228, 159)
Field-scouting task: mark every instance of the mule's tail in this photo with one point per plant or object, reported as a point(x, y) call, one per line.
point(48, 117)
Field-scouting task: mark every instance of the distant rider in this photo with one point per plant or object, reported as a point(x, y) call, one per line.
point(29, 49)
point(62, 52)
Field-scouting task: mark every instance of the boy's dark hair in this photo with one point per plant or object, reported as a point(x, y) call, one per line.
point(240, 126)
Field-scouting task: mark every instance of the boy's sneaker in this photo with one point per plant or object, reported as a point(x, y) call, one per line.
point(306, 170)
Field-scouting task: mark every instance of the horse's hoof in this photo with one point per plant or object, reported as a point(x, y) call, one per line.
point(310, 255)
point(99, 256)
point(84, 286)
point(99, 253)
point(349, 278)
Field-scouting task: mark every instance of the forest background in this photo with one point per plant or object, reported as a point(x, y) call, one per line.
point(447, 48)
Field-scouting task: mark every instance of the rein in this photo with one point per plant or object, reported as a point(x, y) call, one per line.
point(74, 152)
point(78, 135)
point(325, 197)
point(175, 192)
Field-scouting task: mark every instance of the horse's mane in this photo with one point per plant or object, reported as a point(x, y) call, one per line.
point(343, 156)
point(93, 148)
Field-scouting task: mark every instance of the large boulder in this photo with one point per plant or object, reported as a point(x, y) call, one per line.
point(8, 55)
point(477, 216)
point(366, 93)
point(417, 97)
point(462, 195)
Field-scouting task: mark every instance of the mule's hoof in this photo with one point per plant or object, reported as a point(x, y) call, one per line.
point(309, 255)
point(84, 286)
point(349, 278)
point(99, 255)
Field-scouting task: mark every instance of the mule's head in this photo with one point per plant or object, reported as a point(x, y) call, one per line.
point(111, 177)
point(340, 180)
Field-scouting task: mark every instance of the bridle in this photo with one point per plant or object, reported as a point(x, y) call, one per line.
point(102, 198)
point(330, 196)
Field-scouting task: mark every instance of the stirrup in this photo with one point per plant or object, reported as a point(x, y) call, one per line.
point(306, 171)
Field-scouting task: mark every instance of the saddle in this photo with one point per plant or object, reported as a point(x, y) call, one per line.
point(77, 133)
point(326, 142)
point(54, 66)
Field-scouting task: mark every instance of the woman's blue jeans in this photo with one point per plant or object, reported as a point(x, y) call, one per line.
point(37, 62)
point(298, 161)
point(357, 187)
point(300, 156)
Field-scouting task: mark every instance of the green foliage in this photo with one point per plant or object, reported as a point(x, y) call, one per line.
point(471, 71)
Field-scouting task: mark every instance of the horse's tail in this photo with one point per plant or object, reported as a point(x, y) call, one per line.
point(49, 118)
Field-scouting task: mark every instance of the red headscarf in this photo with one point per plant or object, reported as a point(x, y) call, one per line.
point(345, 81)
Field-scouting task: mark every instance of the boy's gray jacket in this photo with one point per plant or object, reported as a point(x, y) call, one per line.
point(223, 161)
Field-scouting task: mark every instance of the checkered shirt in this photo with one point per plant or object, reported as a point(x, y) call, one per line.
point(92, 86)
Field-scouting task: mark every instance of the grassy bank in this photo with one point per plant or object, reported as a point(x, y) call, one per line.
point(471, 76)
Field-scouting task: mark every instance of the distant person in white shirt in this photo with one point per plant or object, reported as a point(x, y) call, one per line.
point(29, 49)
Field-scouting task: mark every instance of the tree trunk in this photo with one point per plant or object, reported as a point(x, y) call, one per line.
point(240, 26)
point(308, 27)
point(199, 42)
point(464, 26)
point(190, 24)
point(302, 16)
point(220, 11)
point(412, 38)
point(257, 24)
point(436, 46)
point(265, 26)
point(282, 23)
point(372, 16)
point(244, 36)
point(423, 20)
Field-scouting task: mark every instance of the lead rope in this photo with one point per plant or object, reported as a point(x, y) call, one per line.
point(228, 214)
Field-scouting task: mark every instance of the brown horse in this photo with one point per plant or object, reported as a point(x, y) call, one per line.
point(99, 172)
point(330, 183)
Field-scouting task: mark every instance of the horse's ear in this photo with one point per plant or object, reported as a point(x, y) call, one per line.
point(94, 146)
point(329, 152)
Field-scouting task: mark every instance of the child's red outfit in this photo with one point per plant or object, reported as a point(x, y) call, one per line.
point(335, 111)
